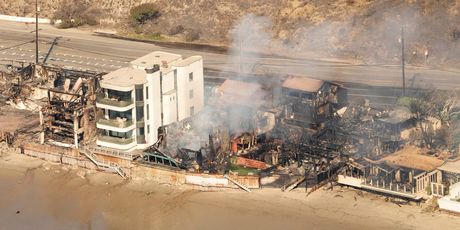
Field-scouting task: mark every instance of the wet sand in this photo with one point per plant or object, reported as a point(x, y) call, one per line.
point(38, 195)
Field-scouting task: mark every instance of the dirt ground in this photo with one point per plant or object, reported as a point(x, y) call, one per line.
point(38, 195)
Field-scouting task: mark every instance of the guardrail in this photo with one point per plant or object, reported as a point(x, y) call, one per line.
point(114, 153)
point(115, 140)
point(113, 102)
point(115, 122)
point(24, 19)
point(102, 164)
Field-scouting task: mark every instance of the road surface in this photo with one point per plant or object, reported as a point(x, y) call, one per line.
point(79, 49)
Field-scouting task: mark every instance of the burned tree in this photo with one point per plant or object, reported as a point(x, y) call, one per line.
point(433, 110)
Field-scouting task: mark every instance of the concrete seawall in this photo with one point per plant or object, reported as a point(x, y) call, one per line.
point(141, 172)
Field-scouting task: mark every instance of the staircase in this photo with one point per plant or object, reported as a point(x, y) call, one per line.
point(293, 185)
point(237, 183)
point(106, 166)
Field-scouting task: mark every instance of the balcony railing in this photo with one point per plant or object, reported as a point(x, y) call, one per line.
point(115, 140)
point(119, 123)
point(114, 101)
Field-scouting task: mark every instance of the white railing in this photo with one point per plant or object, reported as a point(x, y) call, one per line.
point(237, 183)
point(108, 165)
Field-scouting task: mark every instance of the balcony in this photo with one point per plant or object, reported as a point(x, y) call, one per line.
point(115, 140)
point(118, 123)
point(114, 102)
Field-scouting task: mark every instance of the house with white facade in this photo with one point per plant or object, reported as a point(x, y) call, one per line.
point(155, 90)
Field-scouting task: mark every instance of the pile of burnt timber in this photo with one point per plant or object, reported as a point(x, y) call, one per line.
point(70, 112)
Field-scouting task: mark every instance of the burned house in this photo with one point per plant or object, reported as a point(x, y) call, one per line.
point(309, 102)
point(397, 123)
point(450, 171)
point(241, 101)
point(407, 173)
point(69, 115)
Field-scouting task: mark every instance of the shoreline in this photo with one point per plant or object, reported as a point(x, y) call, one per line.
point(51, 195)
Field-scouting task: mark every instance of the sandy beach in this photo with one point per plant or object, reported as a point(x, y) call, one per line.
point(38, 195)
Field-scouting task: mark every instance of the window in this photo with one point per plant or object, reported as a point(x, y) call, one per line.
point(146, 92)
point(125, 135)
point(148, 112)
point(148, 129)
point(141, 131)
point(192, 110)
point(140, 113)
point(190, 76)
point(139, 94)
point(191, 94)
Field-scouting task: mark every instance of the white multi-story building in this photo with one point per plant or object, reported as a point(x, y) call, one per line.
point(155, 90)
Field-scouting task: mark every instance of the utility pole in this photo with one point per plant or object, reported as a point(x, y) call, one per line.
point(36, 31)
point(402, 62)
point(240, 38)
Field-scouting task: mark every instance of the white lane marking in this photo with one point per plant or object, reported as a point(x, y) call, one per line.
point(366, 95)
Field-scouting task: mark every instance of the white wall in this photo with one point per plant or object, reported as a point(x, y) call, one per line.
point(169, 108)
point(184, 86)
point(153, 82)
point(168, 82)
point(24, 19)
point(447, 204)
point(350, 181)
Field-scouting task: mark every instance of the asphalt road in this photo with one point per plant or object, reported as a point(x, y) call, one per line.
point(82, 50)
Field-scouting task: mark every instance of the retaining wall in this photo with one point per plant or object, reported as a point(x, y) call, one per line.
point(141, 172)
point(24, 19)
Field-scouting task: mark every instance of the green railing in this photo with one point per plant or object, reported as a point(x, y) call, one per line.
point(115, 140)
point(115, 122)
point(114, 102)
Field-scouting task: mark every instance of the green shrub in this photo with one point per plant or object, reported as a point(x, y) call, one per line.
point(143, 12)
point(405, 101)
